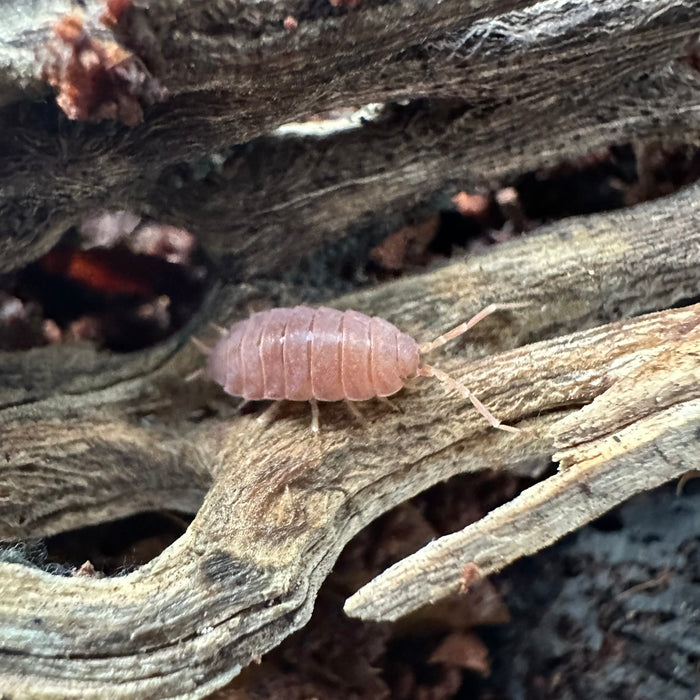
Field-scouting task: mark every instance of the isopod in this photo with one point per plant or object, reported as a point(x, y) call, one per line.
point(322, 354)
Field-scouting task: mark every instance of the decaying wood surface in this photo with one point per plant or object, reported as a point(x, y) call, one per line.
point(282, 504)
point(624, 444)
point(498, 75)
point(89, 436)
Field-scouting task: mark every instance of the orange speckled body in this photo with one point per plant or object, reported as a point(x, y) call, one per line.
point(302, 354)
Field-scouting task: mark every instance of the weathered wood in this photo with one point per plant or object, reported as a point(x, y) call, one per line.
point(498, 75)
point(276, 519)
point(637, 435)
point(282, 504)
point(89, 436)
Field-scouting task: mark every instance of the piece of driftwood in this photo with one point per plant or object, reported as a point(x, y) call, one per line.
point(283, 504)
point(499, 75)
point(640, 433)
point(88, 436)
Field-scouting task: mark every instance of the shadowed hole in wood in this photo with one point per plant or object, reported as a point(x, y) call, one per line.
point(612, 178)
point(117, 281)
point(109, 549)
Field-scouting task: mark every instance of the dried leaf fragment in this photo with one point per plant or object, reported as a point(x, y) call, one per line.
point(290, 23)
point(463, 650)
point(470, 574)
point(406, 246)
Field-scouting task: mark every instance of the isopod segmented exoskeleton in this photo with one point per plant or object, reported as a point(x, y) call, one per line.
point(305, 354)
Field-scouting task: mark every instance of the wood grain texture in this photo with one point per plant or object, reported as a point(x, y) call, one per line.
point(89, 436)
point(282, 505)
point(490, 90)
point(638, 434)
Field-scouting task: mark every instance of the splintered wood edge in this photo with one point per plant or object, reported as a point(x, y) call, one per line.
point(540, 516)
point(643, 448)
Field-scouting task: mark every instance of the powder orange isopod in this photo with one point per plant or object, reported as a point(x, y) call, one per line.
point(322, 354)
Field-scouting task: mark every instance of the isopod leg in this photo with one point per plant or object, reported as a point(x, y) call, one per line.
point(314, 416)
point(268, 415)
point(428, 371)
point(356, 413)
point(219, 329)
point(464, 327)
point(389, 403)
point(204, 349)
point(195, 375)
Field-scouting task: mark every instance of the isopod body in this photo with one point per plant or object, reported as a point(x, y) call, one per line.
point(305, 354)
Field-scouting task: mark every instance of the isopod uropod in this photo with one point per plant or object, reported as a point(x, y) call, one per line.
point(322, 354)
